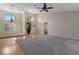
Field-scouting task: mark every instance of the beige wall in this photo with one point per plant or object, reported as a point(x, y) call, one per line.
point(19, 24)
point(64, 24)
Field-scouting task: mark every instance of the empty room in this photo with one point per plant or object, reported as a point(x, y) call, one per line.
point(39, 28)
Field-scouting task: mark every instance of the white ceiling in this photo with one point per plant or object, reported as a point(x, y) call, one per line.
point(32, 7)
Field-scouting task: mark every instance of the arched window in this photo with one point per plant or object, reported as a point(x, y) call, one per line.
point(9, 17)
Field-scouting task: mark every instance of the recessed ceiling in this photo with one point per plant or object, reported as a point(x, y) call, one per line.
point(32, 7)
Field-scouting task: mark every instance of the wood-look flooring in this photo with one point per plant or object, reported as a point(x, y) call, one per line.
point(8, 46)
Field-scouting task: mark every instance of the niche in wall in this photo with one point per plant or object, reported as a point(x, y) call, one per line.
point(31, 18)
point(45, 28)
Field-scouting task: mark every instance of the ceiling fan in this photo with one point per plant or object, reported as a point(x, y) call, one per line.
point(44, 8)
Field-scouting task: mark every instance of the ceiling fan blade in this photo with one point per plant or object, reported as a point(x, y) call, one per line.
point(46, 10)
point(41, 10)
point(49, 8)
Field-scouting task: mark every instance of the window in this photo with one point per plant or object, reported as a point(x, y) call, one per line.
point(9, 17)
point(10, 25)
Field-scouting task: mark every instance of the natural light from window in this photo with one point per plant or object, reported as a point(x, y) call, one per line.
point(9, 16)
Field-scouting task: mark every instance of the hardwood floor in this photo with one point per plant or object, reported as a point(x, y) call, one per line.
point(8, 46)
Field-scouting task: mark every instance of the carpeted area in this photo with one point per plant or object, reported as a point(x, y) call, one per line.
point(49, 45)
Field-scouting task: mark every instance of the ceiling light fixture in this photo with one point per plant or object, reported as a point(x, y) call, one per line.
point(44, 8)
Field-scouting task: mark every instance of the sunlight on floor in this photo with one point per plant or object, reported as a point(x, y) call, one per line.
point(8, 46)
point(9, 50)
